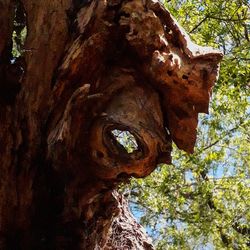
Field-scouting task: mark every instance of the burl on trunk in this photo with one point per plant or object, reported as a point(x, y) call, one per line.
point(87, 71)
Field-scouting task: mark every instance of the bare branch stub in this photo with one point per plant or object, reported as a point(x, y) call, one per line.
point(129, 68)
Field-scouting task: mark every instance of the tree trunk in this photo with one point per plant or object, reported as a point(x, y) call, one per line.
point(88, 69)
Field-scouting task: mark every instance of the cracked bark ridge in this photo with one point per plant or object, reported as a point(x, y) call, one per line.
point(91, 68)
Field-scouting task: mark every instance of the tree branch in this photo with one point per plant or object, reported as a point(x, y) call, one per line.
point(199, 24)
point(236, 226)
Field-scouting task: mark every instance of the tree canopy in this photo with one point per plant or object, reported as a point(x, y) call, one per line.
point(202, 200)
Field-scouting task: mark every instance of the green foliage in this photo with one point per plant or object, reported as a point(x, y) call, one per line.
point(202, 201)
point(19, 30)
point(18, 40)
point(126, 140)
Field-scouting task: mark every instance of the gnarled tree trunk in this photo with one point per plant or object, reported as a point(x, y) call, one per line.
point(87, 70)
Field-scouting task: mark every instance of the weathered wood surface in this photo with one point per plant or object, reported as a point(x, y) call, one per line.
point(86, 69)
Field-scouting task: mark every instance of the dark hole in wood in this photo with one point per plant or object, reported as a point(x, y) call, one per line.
point(204, 74)
point(169, 72)
point(170, 57)
point(122, 13)
point(99, 154)
point(185, 77)
point(167, 29)
point(180, 113)
point(122, 176)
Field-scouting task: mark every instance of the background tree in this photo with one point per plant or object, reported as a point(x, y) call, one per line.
point(202, 200)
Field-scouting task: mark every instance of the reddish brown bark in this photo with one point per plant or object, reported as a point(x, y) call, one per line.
point(90, 67)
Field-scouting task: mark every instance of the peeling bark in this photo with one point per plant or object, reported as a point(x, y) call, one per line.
point(91, 67)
